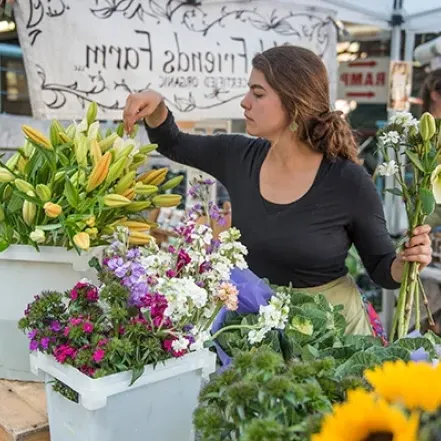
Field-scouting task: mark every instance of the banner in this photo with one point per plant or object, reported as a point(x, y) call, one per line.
point(197, 54)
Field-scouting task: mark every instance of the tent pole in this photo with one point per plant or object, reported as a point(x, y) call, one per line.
point(392, 205)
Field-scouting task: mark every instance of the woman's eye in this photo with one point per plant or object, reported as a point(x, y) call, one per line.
point(258, 96)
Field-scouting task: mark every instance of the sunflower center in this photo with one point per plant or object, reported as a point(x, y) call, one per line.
point(380, 436)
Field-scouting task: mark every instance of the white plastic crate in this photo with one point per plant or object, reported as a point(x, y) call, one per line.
point(159, 406)
point(25, 273)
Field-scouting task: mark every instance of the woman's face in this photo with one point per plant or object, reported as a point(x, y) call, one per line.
point(263, 110)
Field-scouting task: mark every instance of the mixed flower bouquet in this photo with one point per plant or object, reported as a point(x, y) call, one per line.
point(151, 305)
point(420, 143)
point(73, 187)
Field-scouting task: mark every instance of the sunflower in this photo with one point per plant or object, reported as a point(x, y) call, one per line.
point(364, 416)
point(414, 385)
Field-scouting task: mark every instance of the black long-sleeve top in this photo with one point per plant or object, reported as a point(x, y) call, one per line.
point(305, 242)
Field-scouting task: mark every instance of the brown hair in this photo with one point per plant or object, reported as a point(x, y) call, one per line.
point(300, 79)
point(432, 83)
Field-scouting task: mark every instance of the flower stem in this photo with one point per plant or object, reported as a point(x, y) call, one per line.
point(417, 305)
point(426, 304)
point(232, 327)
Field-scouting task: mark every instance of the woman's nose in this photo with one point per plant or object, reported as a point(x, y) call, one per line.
point(245, 103)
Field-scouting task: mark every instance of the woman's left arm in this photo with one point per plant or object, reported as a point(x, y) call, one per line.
point(369, 233)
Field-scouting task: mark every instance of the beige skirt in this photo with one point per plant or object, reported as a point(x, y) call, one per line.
point(344, 291)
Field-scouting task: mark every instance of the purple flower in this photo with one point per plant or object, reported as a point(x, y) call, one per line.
point(55, 326)
point(33, 345)
point(171, 249)
point(45, 342)
point(208, 182)
point(122, 270)
point(32, 334)
point(133, 253)
point(216, 214)
point(137, 270)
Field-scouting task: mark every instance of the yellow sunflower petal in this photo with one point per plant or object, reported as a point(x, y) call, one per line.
point(416, 385)
point(364, 414)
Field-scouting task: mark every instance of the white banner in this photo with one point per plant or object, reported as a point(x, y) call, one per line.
point(198, 56)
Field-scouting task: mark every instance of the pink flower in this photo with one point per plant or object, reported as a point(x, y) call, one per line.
point(103, 342)
point(63, 352)
point(74, 294)
point(92, 294)
point(228, 294)
point(75, 321)
point(87, 370)
point(98, 355)
point(88, 327)
point(66, 331)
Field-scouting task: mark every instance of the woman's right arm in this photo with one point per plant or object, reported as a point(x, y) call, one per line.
point(212, 154)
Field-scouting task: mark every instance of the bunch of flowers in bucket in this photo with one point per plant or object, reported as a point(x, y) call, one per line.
point(152, 304)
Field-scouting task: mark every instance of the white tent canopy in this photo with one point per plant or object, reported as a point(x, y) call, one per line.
point(417, 15)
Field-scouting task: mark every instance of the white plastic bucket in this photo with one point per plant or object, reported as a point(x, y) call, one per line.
point(24, 273)
point(159, 406)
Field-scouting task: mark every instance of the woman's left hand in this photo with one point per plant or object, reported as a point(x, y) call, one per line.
point(418, 248)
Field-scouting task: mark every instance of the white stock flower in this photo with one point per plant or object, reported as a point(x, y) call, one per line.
point(199, 339)
point(181, 344)
point(37, 236)
point(388, 168)
point(404, 119)
point(271, 316)
point(256, 336)
point(178, 293)
point(392, 137)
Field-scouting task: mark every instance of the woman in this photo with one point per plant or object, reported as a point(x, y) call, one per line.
point(298, 195)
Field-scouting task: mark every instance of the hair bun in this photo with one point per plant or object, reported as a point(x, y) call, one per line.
point(329, 132)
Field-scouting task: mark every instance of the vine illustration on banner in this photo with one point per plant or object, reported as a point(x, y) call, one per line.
point(195, 19)
point(198, 56)
point(38, 10)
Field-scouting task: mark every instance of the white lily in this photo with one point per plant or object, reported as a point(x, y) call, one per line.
point(93, 131)
point(436, 184)
point(81, 127)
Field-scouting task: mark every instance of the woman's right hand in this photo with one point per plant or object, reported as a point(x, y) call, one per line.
point(149, 105)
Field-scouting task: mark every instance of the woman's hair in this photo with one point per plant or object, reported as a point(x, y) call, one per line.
point(300, 79)
point(432, 83)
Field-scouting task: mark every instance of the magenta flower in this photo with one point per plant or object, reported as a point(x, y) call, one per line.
point(92, 294)
point(66, 331)
point(74, 294)
point(103, 342)
point(88, 327)
point(75, 321)
point(98, 355)
point(33, 345)
point(183, 259)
